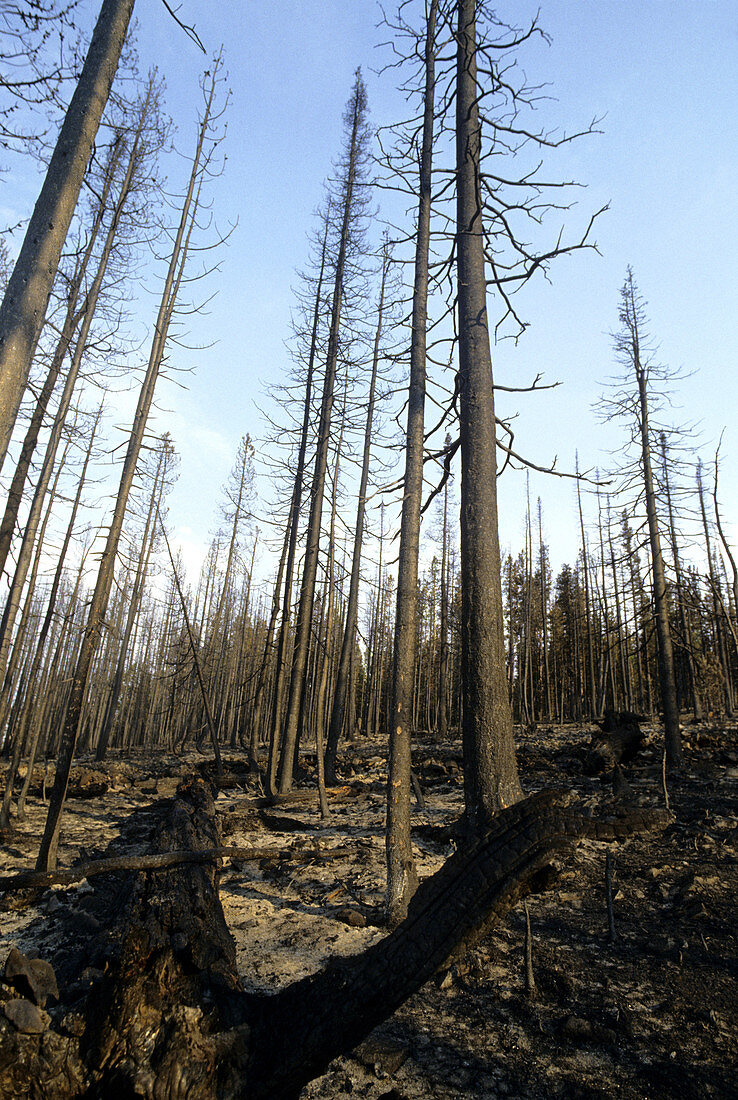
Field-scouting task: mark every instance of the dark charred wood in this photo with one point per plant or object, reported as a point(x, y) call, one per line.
point(619, 741)
point(25, 879)
point(170, 1018)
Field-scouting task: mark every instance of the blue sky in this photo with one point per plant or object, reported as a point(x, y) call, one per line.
point(662, 77)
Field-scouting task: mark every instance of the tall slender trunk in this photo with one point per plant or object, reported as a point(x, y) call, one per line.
point(622, 649)
point(310, 567)
point(402, 878)
point(544, 611)
point(490, 768)
point(667, 679)
point(50, 841)
point(684, 624)
point(24, 306)
point(292, 532)
point(587, 609)
point(725, 674)
point(442, 725)
point(338, 711)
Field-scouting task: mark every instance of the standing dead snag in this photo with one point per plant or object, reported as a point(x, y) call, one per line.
point(98, 605)
point(170, 1016)
point(349, 205)
point(402, 877)
point(490, 768)
point(24, 305)
point(636, 399)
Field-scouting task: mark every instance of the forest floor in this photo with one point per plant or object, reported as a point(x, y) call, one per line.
point(654, 1014)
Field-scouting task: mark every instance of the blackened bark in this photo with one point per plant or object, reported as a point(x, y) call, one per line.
point(490, 769)
point(338, 710)
point(402, 877)
point(293, 523)
point(172, 974)
point(667, 679)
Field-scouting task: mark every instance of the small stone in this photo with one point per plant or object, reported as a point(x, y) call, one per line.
point(31, 975)
point(383, 1056)
point(26, 1017)
point(86, 922)
point(575, 1027)
point(351, 917)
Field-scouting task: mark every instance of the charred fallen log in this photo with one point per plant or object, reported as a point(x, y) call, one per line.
point(170, 1018)
point(90, 868)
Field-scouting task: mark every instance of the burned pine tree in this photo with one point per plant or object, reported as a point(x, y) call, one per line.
point(201, 165)
point(636, 398)
point(24, 304)
point(487, 248)
point(401, 874)
point(349, 204)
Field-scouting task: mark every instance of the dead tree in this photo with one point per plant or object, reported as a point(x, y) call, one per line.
point(24, 305)
point(401, 874)
point(490, 770)
point(350, 200)
point(633, 398)
point(341, 690)
point(98, 604)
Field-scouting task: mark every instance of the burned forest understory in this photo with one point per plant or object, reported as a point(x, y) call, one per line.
point(368, 704)
point(254, 972)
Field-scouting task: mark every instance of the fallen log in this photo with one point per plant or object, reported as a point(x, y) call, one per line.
point(170, 1019)
point(159, 862)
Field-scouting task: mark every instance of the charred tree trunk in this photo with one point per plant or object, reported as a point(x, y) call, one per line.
point(338, 711)
point(356, 120)
point(402, 877)
point(290, 545)
point(24, 305)
point(490, 769)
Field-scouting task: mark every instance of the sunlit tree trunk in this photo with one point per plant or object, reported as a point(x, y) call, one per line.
point(24, 305)
point(49, 844)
